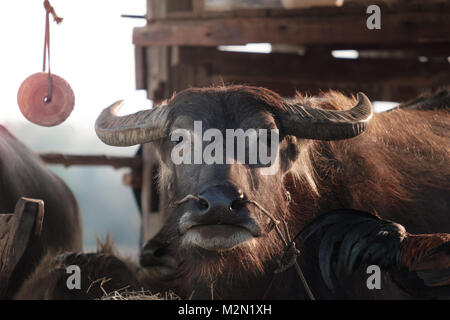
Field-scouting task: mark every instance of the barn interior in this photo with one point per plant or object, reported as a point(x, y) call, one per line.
point(187, 43)
point(286, 46)
point(392, 50)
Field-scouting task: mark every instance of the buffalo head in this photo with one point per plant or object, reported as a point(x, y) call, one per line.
point(222, 213)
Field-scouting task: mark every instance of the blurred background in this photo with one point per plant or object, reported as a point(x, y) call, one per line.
point(284, 45)
point(92, 49)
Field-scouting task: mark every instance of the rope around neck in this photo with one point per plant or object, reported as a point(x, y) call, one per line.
point(289, 244)
point(289, 249)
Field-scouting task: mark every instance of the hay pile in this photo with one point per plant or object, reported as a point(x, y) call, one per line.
point(139, 295)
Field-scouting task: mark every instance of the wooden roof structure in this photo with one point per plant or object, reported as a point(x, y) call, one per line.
point(178, 48)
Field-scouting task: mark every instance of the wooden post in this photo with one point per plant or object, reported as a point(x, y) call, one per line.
point(92, 160)
point(16, 232)
point(153, 201)
point(140, 67)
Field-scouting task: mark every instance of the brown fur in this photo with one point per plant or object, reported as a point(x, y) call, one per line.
point(398, 169)
point(401, 162)
point(416, 251)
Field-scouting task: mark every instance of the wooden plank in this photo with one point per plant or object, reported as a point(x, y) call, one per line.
point(21, 228)
point(359, 7)
point(156, 57)
point(179, 6)
point(356, 7)
point(140, 67)
point(397, 28)
point(295, 4)
point(92, 160)
point(156, 9)
point(229, 5)
point(153, 216)
point(194, 10)
point(382, 79)
point(157, 71)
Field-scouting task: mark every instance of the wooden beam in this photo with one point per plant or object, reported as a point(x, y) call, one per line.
point(17, 231)
point(290, 66)
point(381, 79)
point(396, 28)
point(428, 49)
point(229, 5)
point(92, 160)
point(154, 202)
point(200, 10)
point(156, 9)
point(140, 68)
point(179, 5)
point(132, 179)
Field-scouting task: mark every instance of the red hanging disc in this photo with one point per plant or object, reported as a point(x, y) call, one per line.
point(33, 102)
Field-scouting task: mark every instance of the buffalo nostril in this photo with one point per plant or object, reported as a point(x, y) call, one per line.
point(238, 203)
point(160, 252)
point(203, 204)
point(219, 199)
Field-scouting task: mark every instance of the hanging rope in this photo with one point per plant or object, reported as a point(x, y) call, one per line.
point(45, 98)
point(48, 10)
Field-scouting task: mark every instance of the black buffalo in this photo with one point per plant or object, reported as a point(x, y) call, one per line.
point(24, 174)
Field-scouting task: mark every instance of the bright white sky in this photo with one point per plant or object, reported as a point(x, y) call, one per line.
point(92, 49)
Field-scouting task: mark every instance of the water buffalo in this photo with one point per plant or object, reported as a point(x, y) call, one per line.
point(101, 274)
point(24, 174)
point(224, 220)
